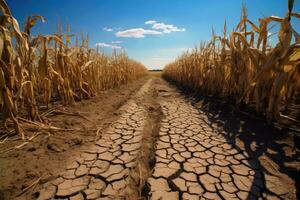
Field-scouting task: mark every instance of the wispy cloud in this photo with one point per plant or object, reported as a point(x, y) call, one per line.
point(116, 42)
point(165, 28)
point(184, 49)
point(102, 44)
point(156, 62)
point(150, 22)
point(137, 33)
point(108, 29)
point(159, 58)
point(157, 28)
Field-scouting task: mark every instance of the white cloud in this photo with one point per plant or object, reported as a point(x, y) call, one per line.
point(165, 28)
point(158, 28)
point(150, 22)
point(271, 34)
point(137, 33)
point(156, 62)
point(102, 44)
point(108, 29)
point(159, 58)
point(116, 42)
point(184, 49)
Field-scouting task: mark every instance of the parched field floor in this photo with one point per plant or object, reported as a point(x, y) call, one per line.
point(161, 145)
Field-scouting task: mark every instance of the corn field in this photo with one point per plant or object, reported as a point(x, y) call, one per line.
point(242, 68)
point(36, 71)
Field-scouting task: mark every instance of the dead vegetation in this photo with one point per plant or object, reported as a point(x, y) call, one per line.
point(243, 68)
point(36, 71)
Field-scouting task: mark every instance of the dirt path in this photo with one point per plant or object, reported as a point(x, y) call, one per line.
point(194, 160)
point(104, 170)
point(50, 152)
point(161, 146)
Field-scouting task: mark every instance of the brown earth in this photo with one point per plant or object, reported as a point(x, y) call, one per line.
point(48, 154)
point(148, 140)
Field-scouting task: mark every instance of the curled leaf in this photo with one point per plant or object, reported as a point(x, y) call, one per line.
point(287, 68)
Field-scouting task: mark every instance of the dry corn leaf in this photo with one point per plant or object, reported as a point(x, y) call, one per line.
point(287, 68)
point(295, 55)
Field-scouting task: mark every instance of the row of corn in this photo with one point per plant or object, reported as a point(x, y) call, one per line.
point(243, 67)
point(35, 71)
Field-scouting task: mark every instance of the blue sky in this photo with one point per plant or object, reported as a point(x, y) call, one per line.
point(153, 32)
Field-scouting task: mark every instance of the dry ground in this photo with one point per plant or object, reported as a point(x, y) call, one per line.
point(46, 155)
point(148, 140)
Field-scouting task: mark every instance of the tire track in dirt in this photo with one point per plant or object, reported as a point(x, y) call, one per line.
point(194, 161)
point(107, 170)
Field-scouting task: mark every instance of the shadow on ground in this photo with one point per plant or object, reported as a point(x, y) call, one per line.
point(277, 150)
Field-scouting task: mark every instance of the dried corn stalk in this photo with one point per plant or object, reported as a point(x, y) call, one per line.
point(38, 70)
point(242, 67)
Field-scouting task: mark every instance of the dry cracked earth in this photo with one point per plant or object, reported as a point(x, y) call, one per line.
point(189, 158)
